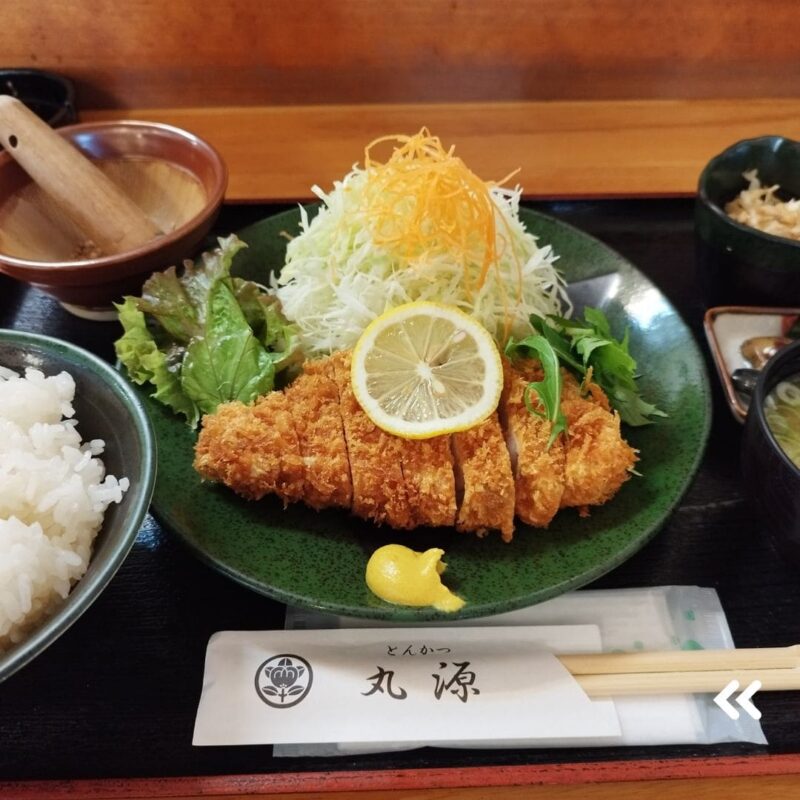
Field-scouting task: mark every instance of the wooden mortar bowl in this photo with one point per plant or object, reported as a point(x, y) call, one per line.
point(176, 178)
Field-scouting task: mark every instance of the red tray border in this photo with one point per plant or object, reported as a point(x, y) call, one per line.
point(405, 779)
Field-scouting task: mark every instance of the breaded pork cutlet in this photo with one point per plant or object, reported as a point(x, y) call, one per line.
point(427, 470)
point(538, 466)
point(252, 449)
point(379, 490)
point(430, 481)
point(314, 443)
point(598, 459)
point(313, 401)
point(484, 480)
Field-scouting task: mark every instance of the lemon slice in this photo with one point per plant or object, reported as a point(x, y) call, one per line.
point(426, 369)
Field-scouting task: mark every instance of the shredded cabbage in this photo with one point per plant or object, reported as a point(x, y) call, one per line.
point(336, 279)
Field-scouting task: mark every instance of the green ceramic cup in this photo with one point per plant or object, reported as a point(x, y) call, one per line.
point(107, 408)
point(737, 264)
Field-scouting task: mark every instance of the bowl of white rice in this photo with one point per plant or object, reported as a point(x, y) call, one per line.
point(77, 469)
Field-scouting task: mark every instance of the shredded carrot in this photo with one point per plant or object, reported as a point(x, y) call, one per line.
point(424, 202)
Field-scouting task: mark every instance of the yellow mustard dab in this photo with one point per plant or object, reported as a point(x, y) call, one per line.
point(405, 577)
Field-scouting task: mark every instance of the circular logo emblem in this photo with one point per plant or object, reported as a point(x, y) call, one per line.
point(284, 680)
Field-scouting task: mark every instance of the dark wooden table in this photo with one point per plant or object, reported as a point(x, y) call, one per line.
point(116, 696)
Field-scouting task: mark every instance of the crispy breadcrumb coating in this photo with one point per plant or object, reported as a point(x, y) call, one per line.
point(430, 480)
point(538, 468)
point(379, 491)
point(598, 459)
point(314, 443)
point(313, 401)
point(252, 449)
point(483, 473)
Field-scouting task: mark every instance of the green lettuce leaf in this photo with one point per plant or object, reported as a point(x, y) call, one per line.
point(203, 337)
point(227, 362)
point(280, 338)
point(165, 297)
point(178, 303)
point(213, 265)
point(145, 363)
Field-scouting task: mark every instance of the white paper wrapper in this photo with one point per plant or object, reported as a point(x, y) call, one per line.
point(658, 618)
point(270, 687)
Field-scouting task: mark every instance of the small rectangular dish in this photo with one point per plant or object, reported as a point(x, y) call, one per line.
point(742, 338)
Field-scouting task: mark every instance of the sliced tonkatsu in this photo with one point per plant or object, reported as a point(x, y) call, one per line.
point(484, 480)
point(313, 401)
point(314, 443)
point(379, 490)
point(537, 464)
point(253, 449)
point(430, 481)
point(598, 459)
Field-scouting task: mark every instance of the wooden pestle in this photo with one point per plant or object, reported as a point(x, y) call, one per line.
point(96, 205)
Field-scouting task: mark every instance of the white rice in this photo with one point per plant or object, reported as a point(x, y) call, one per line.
point(53, 495)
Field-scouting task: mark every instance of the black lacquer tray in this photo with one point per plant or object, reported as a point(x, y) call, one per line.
point(116, 696)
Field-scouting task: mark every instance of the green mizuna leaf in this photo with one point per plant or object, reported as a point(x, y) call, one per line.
point(547, 391)
point(589, 344)
point(560, 343)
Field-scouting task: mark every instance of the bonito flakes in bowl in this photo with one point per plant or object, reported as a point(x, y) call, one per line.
point(759, 207)
point(747, 224)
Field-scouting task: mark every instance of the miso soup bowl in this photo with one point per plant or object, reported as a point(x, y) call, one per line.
point(772, 480)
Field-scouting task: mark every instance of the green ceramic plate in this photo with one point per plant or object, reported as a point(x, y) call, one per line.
point(317, 560)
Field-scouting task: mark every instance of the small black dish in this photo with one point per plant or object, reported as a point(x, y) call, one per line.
point(772, 480)
point(48, 95)
point(740, 265)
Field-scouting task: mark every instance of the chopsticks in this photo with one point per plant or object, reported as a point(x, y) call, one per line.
point(684, 672)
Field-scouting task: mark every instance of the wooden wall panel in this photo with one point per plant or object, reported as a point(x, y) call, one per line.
point(145, 53)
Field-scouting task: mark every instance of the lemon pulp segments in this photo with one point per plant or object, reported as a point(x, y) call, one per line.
point(425, 369)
